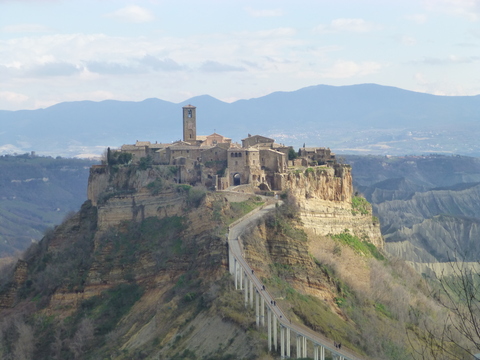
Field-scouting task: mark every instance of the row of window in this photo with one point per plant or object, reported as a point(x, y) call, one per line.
point(236, 154)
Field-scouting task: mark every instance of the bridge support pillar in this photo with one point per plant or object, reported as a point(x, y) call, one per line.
point(315, 351)
point(305, 347)
point(322, 353)
point(299, 347)
point(262, 312)
point(246, 290)
point(288, 342)
point(241, 278)
point(275, 340)
point(251, 292)
point(282, 342)
point(235, 272)
point(257, 310)
point(269, 325)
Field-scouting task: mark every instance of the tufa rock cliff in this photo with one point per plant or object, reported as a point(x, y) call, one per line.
point(324, 198)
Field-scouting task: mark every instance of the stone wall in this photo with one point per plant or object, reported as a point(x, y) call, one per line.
point(139, 206)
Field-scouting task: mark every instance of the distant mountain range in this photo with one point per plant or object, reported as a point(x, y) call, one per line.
point(365, 118)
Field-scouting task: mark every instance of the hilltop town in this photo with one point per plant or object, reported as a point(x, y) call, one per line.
point(218, 163)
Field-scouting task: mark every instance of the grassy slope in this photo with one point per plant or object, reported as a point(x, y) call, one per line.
point(346, 289)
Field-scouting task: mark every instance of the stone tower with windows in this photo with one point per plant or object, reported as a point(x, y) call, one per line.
point(189, 124)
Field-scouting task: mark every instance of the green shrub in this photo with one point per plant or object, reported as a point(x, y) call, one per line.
point(156, 186)
point(183, 188)
point(361, 247)
point(109, 307)
point(195, 196)
point(145, 163)
point(360, 205)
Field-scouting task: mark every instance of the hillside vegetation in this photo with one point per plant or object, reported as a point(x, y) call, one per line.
point(346, 289)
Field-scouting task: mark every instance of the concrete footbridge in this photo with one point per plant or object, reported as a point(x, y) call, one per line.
point(282, 332)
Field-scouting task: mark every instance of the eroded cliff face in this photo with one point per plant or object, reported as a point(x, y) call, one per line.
point(324, 197)
point(129, 193)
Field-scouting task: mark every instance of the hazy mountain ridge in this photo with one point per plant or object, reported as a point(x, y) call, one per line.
point(358, 118)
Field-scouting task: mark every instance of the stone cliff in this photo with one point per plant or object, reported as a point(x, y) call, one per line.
point(324, 197)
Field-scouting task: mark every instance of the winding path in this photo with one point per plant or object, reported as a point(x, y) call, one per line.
point(239, 267)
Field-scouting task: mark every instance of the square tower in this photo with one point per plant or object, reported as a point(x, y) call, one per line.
point(189, 124)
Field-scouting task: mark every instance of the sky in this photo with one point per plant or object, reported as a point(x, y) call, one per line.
point(53, 51)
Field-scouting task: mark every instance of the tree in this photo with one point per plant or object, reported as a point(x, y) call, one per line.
point(456, 335)
point(292, 154)
point(82, 337)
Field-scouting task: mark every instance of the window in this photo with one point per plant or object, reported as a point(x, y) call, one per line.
point(189, 113)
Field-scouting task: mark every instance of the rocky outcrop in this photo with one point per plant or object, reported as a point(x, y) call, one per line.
point(324, 198)
point(130, 193)
point(322, 183)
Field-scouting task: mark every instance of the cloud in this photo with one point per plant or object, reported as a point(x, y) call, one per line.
point(417, 18)
point(133, 66)
point(406, 40)
point(54, 69)
point(157, 64)
point(439, 87)
point(132, 14)
point(12, 97)
point(25, 28)
point(469, 9)
point(9, 149)
point(347, 69)
point(347, 25)
point(112, 68)
point(214, 66)
point(270, 33)
point(264, 13)
point(450, 60)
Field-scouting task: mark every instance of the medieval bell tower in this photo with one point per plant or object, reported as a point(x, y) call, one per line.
point(189, 124)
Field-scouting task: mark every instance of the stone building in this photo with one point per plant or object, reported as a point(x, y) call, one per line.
point(216, 162)
point(318, 156)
